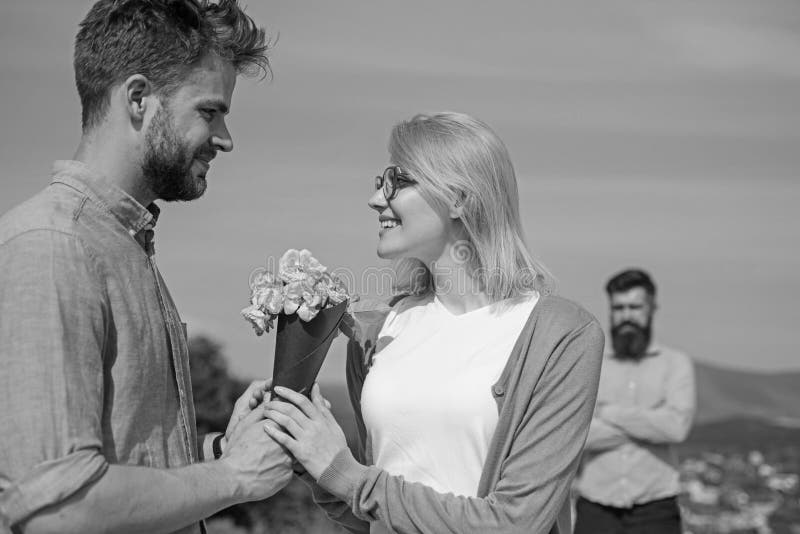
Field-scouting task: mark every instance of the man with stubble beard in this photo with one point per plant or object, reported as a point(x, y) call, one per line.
point(97, 427)
point(628, 483)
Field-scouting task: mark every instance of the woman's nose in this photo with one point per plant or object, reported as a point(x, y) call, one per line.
point(378, 201)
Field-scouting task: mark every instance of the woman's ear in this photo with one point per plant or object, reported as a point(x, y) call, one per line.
point(457, 208)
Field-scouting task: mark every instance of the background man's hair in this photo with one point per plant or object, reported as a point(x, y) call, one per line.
point(162, 40)
point(629, 279)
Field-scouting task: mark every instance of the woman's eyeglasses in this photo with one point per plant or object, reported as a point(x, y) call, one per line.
point(393, 179)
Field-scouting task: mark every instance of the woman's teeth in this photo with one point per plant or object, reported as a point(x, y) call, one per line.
point(389, 224)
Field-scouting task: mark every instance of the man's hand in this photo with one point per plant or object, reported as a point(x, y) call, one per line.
point(246, 403)
point(259, 465)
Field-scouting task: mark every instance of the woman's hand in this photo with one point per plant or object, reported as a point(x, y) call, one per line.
point(307, 428)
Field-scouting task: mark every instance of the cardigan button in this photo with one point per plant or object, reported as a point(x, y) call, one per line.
point(498, 390)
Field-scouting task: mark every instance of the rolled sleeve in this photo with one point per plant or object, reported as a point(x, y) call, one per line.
point(669, 422)
point(53, 320)
point(604, 436)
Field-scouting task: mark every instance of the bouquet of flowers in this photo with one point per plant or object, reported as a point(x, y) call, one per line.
point(309, 304)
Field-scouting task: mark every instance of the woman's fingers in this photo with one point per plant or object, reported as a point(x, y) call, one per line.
point(321, 403)
point(301, 401)
point(289, 410)
point(317, 398)
point(285, 421)
point(281, 437)
point(319, 438)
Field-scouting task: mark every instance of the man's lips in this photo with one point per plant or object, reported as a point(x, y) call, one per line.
point(205, 157)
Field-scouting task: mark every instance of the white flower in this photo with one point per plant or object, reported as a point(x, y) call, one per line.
point(306, 312)
point(293, 297)
point(296, 265)
point(290, 306)
point(269, 299)
point(315, 296)
point(261, 322)
point(336, 290)
point(310, 264)
point(264, 279)
point(302, 286)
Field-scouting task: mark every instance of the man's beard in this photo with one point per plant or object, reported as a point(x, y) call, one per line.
point(167, 165)
point(630, 340)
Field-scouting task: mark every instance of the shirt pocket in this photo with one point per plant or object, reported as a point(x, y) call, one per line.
point(141, 454)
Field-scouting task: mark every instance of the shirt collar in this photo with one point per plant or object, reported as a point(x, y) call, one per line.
point(133, 216)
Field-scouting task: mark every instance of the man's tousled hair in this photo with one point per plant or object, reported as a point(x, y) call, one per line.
point(161, 40)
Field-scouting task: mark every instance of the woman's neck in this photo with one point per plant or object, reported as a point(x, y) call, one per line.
point(459, 304)
point(456, 287)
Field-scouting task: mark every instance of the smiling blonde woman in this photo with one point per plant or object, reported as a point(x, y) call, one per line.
point(474, 393)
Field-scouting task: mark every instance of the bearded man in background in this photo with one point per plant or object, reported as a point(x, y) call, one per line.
point(628, 483)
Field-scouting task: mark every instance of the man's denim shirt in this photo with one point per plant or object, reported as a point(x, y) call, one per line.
point(94, 366)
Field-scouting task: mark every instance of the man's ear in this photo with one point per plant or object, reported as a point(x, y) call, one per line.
point(138, 95)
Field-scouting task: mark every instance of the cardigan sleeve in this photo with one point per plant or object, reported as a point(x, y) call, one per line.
point(535, 476)
point(361, 329)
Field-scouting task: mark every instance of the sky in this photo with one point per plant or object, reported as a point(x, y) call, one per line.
point(663, 135)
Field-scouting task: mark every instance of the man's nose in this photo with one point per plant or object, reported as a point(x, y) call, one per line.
point(221, 139)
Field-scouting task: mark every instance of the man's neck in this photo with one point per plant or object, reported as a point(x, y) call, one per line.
point(102, 153)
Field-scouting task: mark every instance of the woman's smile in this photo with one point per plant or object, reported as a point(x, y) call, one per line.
point(388, 223)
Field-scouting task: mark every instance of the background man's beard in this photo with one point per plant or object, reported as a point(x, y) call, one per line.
point(167, 164)
point(630, 340)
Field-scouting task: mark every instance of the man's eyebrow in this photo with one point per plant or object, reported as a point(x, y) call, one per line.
point(219, 105)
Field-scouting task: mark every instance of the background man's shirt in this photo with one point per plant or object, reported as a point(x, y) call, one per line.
point(643, 408)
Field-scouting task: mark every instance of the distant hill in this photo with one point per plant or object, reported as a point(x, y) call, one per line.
point(728, 393)
point(740, 433)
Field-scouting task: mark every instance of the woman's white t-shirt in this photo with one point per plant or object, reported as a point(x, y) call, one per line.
point(427, 400)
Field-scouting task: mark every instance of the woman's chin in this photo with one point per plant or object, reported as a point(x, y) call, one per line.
point(385, 255)
point(386, 251)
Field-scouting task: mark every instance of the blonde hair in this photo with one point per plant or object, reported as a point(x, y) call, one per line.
point(458, 159)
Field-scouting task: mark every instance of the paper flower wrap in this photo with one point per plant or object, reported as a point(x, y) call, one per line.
point(309, 304)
